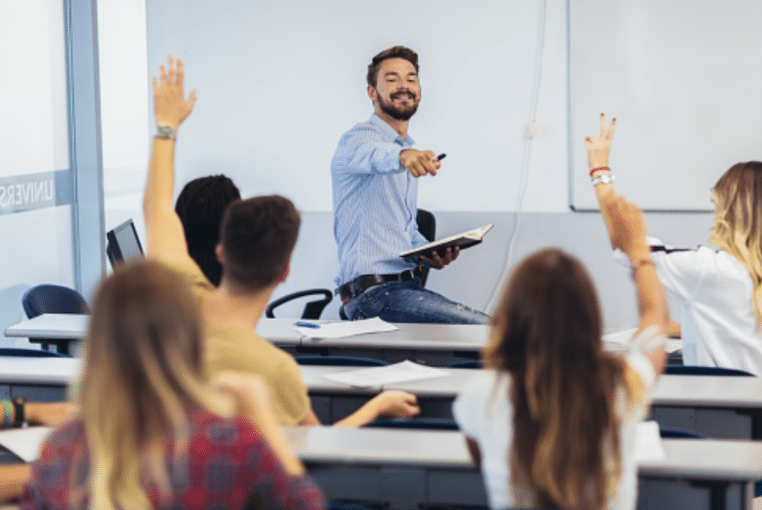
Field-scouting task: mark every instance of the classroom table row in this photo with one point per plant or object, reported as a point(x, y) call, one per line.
point(428, 344)
point(413, 469)
point(717, 407)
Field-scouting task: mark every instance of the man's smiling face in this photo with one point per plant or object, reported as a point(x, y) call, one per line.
point(397, 91)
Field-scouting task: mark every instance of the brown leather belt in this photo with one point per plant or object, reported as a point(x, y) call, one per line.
point(366, 281)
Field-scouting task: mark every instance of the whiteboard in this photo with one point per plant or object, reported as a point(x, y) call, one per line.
point(683, 78)
point(280, 81)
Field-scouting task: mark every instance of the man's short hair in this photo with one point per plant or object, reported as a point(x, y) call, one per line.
point(393, 52)
point(257, 237)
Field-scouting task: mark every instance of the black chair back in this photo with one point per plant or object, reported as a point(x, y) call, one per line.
point(701, 370)
point(48, 298)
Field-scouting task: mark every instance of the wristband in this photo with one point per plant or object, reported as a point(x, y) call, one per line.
point(7, 406)
point(593, 170)
point(604, 178)
point(166, 132)
point(18, 406)
point(641, 263)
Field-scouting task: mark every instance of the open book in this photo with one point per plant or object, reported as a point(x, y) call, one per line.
point(463, 240)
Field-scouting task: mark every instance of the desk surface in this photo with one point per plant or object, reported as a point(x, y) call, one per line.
point(695, 459)
point(673, 390)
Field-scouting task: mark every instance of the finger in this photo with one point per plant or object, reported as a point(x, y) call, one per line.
point(163, 75)
point(603, 125)
point(155, 85)
point(191, 99)
point(455, 252)
point(611, 129)
point(180, 71)
point(172, 72)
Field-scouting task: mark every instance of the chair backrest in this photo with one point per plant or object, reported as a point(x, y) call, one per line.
point(48, 298)
point(29, 353)
point(312, 309)
point(674, 433)
point(340, 361)
point(415, 423)
point(701, 370)
point(427, 226)
point(470, 363)
point(123, 243)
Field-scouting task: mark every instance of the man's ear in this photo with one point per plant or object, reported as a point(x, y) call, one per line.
point(372, 93)
point(218, 254)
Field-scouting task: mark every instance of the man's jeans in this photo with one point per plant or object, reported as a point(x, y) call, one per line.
point(407, 301)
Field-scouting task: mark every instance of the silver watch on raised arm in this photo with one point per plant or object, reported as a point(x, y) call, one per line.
point(604, 178)
point(167, 132)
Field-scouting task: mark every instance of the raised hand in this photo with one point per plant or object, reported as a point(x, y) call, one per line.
point(598, 147)
point(169, 103)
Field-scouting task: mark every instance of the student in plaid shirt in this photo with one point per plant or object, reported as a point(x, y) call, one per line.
point(153, 433)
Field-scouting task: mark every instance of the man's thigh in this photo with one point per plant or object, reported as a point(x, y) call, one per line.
point(400, 302)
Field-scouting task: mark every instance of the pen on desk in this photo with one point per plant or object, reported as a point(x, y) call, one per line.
point(304, 324)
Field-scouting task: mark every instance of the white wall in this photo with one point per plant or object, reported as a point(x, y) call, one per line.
point(248, 61)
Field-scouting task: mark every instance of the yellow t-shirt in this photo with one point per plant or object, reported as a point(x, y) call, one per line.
point(244, 351)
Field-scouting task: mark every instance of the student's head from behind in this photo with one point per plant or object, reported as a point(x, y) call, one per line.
point(547, 336)
point(738, 206)
point(393, 84)
point(143, 370)
point(548, 315)
point(256, 241)
point(738, 221)
point(200, 206)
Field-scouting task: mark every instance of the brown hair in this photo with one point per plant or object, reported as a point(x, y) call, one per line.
point(393, 52)
point(143, 370)
point(200, 206)
point(258, 236)
point(738, 221)
point(547, 336)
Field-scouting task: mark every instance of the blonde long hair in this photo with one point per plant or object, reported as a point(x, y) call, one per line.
point(738, 221)
point(547, 336)
point(143, 371)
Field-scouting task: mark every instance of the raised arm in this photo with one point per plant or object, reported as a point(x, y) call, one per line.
point(628, 233)
point(164, 231)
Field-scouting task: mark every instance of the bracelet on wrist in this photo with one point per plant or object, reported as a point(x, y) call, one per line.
point(166, 132)
point(7, 406)
point(19, 404)
point(598, 169)
point(604, 178)
point(640, 263)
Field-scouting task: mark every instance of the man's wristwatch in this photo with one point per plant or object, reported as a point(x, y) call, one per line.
point(18, 407)
point(167, 132)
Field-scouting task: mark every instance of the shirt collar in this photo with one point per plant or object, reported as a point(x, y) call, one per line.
point(390, 132)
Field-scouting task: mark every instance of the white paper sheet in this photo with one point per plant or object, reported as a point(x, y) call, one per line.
point(620, 341)
point(648, 445)
point(346, 328)
point(378, 376)
point(24, 442)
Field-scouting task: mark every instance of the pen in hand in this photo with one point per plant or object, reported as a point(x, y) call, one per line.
point(440, 157)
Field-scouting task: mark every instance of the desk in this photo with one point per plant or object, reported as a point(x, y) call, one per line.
point(407, 468)
point(434, 344)
point(37, 379)
point(717, 407)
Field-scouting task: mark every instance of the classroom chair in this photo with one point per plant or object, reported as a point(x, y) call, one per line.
point(427, 226)
point(701, 370)
point(415, 423)
point(340, 361)
point(30, 353)
point(469, 363)
point(48, 298)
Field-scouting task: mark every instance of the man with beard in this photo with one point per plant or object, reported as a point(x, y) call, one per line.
point(374, 174)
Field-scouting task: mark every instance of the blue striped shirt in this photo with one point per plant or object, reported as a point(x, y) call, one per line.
point(374, 202)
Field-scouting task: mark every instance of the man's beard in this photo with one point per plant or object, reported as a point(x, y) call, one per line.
point(397, 112)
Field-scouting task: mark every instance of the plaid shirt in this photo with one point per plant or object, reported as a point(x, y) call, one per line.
point(227, 465)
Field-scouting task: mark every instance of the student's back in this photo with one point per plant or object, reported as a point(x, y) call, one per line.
point(153, 432)
point(552, 422)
